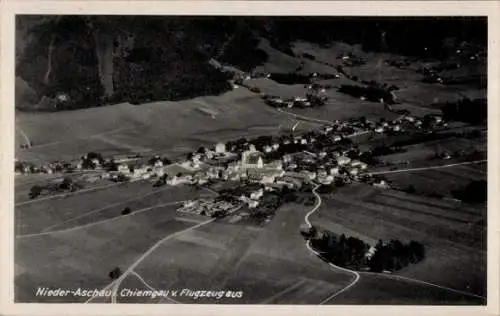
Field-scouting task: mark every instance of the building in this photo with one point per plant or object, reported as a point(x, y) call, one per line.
point(252, 159)
point(256, 195)
point(325, 179)
point(343, 160)
point(334, 171)
point(359, 164)
point(220, 148)
point(123, 168)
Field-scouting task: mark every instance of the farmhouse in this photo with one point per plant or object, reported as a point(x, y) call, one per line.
point(220, 148)
point(343, 160)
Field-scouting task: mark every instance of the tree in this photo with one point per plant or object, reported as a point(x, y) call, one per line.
point(411, 189)
point(35, 191)
point(66, 184)
point(115, 273)
point(126, 211)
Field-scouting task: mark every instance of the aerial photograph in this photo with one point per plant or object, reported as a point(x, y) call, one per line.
point(275, 160)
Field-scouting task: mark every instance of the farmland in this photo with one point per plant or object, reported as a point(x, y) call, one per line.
point(75, 240)
point(66, 254)
point(452, 233)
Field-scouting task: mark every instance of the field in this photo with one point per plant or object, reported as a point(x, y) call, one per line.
point(75, 240)
point(453, 234)
point(84, 257)
point(439, 181)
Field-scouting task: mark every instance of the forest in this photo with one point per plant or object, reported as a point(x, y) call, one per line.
point(75, 61)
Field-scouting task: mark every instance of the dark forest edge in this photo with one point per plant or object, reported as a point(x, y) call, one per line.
point(353, 253)
point(84, 61)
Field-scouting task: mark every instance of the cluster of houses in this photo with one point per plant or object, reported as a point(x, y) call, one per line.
point(23, 167)
point(206, 207)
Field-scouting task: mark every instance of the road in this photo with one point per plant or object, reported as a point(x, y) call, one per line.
point(26, 138)
point(430, 168)
point(308, 245)
point(115, 285)
point(358, 274)
point(49, 197)
point(99, 222)
point(310, 119)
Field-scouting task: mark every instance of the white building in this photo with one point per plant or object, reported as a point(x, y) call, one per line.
point(334, 171)
point(256, 195)
point(220, 148)
point(123, 168)
point(253, 204)
point(359, 164)
point(343, 160)
point(158, 163)
point(252, 159)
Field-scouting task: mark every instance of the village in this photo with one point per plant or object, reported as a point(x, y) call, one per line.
point(326, 157)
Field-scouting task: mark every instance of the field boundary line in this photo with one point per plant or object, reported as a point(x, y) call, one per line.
point(308, 245)
point(103, 208)
point(150, 250)
point(288, 289)
point(83, 137)
point(50, 197)
point(430, 168)
point(138, 276)
point(395, 276)
point(311, 119)
point(100, 222)
point(26, 138)
point(116, 283)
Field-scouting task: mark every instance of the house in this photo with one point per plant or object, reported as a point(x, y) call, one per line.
point(325, 179)
point(268, 149)
point(158, 163)
point(311, 175)
point(438, 119)
point(343, 160)
point(266, 179)
point(256, 195)
point(379, 129)
point(359, 164)
point(337, 138)
point(354, 171)
point(123, 168)
point(380, 184)
point(253, 204)
point(396, 128)
point(370, 252)
point(334, 171)
point(322, 173)
point(276, 146)
point(220, 148)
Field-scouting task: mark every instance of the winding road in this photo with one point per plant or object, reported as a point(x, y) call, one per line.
point(308, 245)
point(357, 275)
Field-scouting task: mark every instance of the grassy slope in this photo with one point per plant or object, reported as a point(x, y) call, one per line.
point(84, 257)
point(448, 231)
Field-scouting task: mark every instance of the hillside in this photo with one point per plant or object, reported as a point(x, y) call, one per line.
point(99, 60)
